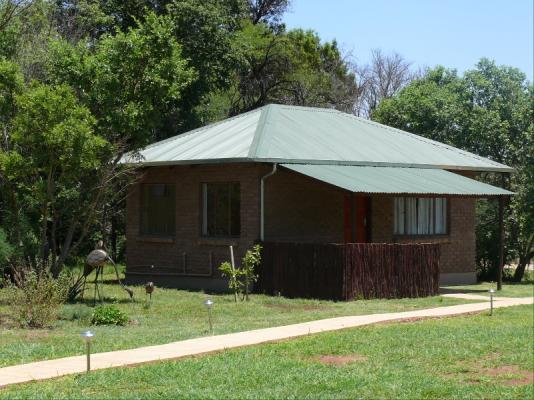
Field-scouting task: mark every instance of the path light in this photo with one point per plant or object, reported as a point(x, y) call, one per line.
point(208, 303)
point(88, 336)
point(491, 292)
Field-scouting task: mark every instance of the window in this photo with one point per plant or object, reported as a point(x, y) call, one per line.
point(420, 216)
point(221, 207)
point(158, 210)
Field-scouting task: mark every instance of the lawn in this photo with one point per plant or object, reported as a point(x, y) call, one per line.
point(523, 289)
point(466, 357)
point(175, 315)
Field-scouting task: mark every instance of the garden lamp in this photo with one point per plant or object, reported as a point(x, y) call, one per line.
point(209, 303)
point(88, 336)
point(491, 292)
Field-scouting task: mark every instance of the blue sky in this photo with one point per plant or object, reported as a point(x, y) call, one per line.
point(453, 33)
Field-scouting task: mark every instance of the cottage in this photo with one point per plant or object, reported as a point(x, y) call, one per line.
point(297, 174)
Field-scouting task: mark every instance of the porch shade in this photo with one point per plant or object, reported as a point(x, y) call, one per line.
point(397, 180)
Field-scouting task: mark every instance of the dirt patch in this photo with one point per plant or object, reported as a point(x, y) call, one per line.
point(287, 307)
point(36, 334)
point(508, 375)
point(339, 360)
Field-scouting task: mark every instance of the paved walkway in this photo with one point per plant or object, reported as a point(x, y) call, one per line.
point(73, 365)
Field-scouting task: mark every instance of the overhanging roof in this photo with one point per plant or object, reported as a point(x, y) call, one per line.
point(387, 180)
point(290, 134)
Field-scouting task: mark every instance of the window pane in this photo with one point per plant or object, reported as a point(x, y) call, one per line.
point(158, 210)
point(221, 209)
point(411, 216)
point(399, 215)
point(424, 211)
point(441, 216)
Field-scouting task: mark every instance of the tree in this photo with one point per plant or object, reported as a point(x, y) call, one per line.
point(382, 78)
point(487, 111)
point(52, 150)
point(275, 66)
point(267, 10)
point(67, 134)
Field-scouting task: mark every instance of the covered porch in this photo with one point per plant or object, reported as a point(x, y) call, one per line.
point(338, 205)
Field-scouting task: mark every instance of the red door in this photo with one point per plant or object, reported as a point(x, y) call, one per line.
point(356, 215)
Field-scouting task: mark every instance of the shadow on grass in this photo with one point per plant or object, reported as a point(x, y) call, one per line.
point(444, 290)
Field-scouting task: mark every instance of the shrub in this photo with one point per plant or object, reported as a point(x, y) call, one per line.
point(77, 312)
point(109, 315)
point(35, 303)
point(240, 279)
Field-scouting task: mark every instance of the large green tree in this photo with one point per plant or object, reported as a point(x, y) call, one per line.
point(487, 111)
point(64, 136)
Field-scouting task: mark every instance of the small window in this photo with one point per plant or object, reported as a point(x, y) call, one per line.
point(221, 208)
point(420, 216)
point(158, 210)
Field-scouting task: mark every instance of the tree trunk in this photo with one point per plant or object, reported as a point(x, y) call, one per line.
point(524, 259)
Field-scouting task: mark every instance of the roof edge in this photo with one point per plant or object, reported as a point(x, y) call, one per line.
point(319, 162)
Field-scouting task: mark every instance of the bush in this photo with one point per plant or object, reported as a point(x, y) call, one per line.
point(109, 315)
point(35, 303)
point(77, 312)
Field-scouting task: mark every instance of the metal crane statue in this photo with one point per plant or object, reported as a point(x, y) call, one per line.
point(95, 261)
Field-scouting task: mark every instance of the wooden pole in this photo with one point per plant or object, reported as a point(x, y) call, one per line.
point(501, 243)
point(502, 205)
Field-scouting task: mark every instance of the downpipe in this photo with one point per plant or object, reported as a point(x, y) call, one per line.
point(262, 201)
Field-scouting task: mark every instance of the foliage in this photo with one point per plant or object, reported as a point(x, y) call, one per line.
point(37, 299)
point(251, 261)
point(77, 312)
point(233, 276)
point(487, 111)
point(109, 315)
point(294, 67)
point(241, 279)
point(6, 250)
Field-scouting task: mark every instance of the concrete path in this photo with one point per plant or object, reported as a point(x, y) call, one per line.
point(73, 365)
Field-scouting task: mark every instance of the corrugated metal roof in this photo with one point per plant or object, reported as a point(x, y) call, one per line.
point(290, 134)
point(388, 180)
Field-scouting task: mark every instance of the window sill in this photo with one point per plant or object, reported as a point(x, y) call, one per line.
point(441, 239)
point(206, 241)
point(156, 239)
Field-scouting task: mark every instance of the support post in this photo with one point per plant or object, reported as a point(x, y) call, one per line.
point(501, 243)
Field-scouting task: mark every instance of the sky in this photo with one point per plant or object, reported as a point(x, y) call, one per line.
point(452, 33)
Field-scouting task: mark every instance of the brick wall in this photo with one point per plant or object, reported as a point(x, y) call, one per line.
point(188, 253)
point(457, 248)
point(302, 209)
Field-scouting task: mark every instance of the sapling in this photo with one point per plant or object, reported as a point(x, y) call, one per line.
point(240, 279)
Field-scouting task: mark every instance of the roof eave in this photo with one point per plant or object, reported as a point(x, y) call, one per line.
point(504, 169)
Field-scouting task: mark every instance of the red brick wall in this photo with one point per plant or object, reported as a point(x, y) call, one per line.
point(302, 209)
point(188, 252)
point(457, 248)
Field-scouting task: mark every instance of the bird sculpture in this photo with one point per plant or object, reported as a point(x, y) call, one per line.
point(95, 261)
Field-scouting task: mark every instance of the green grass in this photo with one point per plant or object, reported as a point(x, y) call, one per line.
point(524, 289)
point(175, 315)
point(465, 357)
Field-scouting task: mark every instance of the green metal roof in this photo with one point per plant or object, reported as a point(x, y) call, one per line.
point(388, 180)
point(290, 134)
